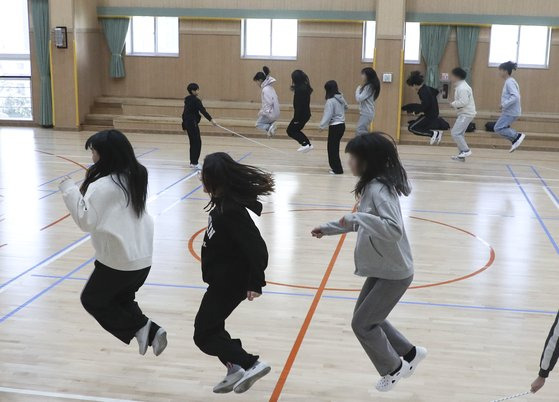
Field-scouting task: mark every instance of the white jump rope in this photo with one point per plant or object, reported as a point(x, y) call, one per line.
point(508, 398)
point(251, 140)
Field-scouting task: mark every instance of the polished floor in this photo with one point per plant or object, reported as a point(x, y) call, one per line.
point(485, 239)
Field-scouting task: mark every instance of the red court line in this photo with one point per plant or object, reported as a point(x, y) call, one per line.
point(62, 157)
point(54, 223)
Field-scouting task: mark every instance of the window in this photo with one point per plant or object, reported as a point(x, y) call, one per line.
point(527, 45)
point(412, 54)
point(368, 52)
point(153, 36)
point(269, 39)
point(15, 65)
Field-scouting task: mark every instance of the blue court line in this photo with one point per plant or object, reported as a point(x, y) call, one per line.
point(42, 292)
point(538, 217)
point(351, 298)
point(545, 184)
point(62, 279)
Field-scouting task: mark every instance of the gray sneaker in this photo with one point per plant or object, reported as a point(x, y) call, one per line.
point(142, 336)
point(234, 374)
point(159, 342)
point(253, 374)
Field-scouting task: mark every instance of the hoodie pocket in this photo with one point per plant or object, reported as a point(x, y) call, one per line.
point(375, 247)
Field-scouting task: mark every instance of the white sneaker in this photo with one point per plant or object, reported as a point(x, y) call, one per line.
point(305, 148)
point(517, 143)
point(272, 129)
point(159, 342)
point(253, 374)
point(388, 382)
point(198, 166)
point(234, 374)
point(439, 137)
point(142, 336)
point(420, 354)
point(436, 137)
point(462, 156)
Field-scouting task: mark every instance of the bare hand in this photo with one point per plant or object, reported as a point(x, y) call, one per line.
point(537, 384)
point(317, 232)
point(252, 295)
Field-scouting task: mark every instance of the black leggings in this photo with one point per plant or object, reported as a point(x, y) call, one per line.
point(294, 131)
point(335, 134)
point(109, 297)
point(193, 131)
point(209, 327)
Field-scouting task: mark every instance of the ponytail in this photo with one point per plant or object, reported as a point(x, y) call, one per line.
point(262, 75)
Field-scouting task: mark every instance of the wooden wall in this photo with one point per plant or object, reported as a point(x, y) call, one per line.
point(487, 85)
point(210, 55)
point(480, 7)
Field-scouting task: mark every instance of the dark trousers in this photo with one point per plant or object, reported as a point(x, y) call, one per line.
point(209, 327)
point(193, 131)
point(335, 134)
point(109, 297)
point(423, 126)
point(294, 131)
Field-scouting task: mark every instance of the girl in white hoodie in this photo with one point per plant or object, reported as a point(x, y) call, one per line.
point(466, 110)
point(111, 205)
point(270, 109)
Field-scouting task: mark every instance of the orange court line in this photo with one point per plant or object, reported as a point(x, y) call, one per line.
point(62, 157)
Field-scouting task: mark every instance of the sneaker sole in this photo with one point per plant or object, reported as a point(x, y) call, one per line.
point(227, 388)
point(249, 382)
point(520, 141)
point(162, 342)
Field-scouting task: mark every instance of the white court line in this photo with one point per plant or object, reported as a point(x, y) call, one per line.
point(551, 197)
point(61, 395)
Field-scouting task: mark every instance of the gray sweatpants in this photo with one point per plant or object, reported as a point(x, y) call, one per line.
point(458, 132)
point(383, 343)
point(363, 124)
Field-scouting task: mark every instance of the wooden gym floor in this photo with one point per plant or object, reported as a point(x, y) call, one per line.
point(485, 238)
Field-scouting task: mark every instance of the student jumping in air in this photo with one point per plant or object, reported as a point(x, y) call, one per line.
point(270, 109)
point(190, 122)
point(302, 90)
point(234, 257)
point(111, 205)
point(366, 94)
point(428, 124)
point(550, 355)
point(510, 107)
point(334, 119)
point(382, 255)
point(466, 110)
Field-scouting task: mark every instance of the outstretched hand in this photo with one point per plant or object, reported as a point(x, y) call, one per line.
point(537, 384)
point(252, 295)
point(317, 232)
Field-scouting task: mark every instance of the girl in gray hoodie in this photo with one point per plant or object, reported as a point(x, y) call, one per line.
point(382, 255)
point(334, 119)
point(366, 94)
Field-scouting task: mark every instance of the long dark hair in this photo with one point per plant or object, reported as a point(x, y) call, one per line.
point(227, 180)
point(117, 159)
point(331, 88)
point(372, 81)
point(377, 158)
point(261, 75)
point(300, 80)
point(508, 66)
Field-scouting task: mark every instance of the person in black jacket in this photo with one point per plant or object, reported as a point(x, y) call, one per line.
point(302, 90)
point(428, 124)
point(190, 122)
point(234, 257)
point(550, 356)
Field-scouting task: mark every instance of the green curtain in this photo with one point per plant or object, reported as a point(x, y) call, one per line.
point(41, 31)
point(115, 32)
point(466, 39)
point(433, 43)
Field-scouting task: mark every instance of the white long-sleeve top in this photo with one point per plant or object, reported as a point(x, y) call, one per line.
point(121, 240)
point(464, 102)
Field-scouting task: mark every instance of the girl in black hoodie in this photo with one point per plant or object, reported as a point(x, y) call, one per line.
point(302, 90)
point(234, 257)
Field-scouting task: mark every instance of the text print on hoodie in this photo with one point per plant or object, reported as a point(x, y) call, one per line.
point(382, 250)
point(270, 108)
point(334, 111)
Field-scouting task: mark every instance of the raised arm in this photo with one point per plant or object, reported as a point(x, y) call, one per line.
point(81, 208)
point(387, 225)
point(366, 93)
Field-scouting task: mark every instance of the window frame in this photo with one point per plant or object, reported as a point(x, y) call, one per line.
point(244, 56)
point(364, 43)
point(408, 61)
point(130, 34)
point(528, 66)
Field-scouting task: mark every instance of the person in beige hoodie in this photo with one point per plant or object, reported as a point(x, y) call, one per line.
point(465, 108)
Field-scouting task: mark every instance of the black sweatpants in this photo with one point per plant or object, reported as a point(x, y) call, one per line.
point(423, 126)
point(193, 131)
point(335, 134)
point(294, 131)
point(209, 327)
point(109, 297)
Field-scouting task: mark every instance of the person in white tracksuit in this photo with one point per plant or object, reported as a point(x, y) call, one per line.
point(270, 109)
point(466, 110)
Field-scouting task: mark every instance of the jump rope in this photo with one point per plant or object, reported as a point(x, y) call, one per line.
point(508, 398)
point(251, 140)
